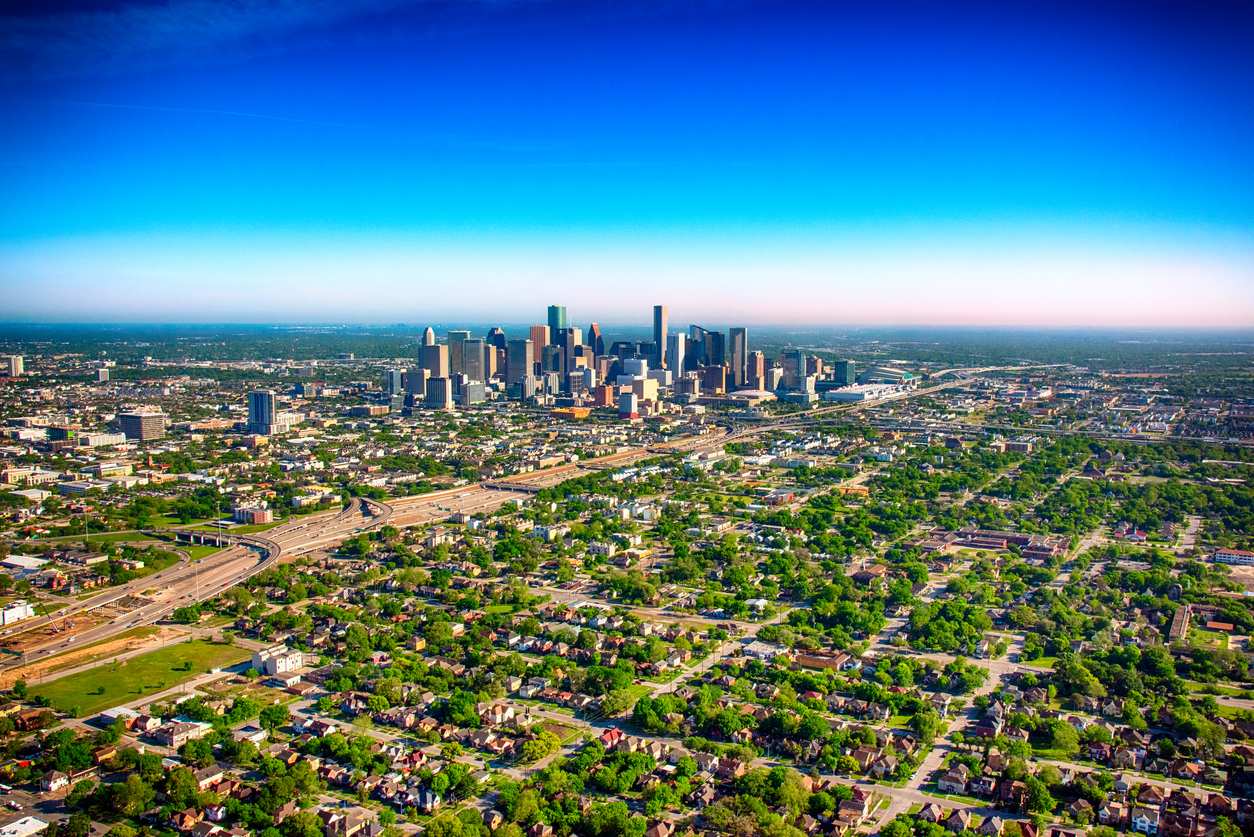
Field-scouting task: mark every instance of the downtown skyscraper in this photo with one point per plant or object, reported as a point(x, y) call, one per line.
point(557, 320)
point(660, 315)
point(738, 338)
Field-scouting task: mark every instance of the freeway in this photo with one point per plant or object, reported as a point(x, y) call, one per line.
point(192, 581)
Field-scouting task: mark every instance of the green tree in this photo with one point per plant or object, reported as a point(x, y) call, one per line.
point(134, 796)
point(79, 825)
point(1037, 800)
point(1064, 738)
point(899, 826)
point(541, 746)
point(274, 716)
point(79, 792)
point(198, 752)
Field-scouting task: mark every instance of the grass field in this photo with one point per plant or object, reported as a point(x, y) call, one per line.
point(164, 560)
point(1210, 689)
point(261, 527)
point(198, 552)
point(104, 537)
point(1052, 755)
point(240, 530)
point(111, 685)
point(635, 692)
point(1212, 639)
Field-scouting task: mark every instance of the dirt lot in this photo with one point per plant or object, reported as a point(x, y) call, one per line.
point(83, 656)
point(40, 636)
point(1244, 576)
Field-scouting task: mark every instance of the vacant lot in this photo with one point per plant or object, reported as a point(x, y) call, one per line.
point(131, 640)
point(113, 684)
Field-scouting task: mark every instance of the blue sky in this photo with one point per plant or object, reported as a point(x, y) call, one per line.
point(385, 161)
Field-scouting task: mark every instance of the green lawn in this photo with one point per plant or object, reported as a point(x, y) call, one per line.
point(105, 537)
point(635, 692)
point(114, 684)
point(165, 522)
point(1207, 688)
point(499, 608)
point(1052, 755)
point(164, 560)
point(240, 530)
point(198, 552)
point(252, 530)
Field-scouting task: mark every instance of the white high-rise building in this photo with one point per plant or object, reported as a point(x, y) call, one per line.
point(636, 367)
point(676, 349)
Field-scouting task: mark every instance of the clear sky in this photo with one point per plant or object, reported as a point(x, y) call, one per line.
point(385, 161)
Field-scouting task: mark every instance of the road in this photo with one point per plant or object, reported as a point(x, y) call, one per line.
point(192, 581)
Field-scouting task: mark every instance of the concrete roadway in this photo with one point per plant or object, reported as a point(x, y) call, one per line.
point(191, 581)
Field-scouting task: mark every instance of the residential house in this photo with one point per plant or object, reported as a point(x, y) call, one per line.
point(1144, 819)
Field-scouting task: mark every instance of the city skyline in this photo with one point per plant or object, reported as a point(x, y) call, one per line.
point(381, 161)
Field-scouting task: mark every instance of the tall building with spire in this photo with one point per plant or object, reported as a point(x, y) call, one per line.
point(595, 340)
point(428, 337)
